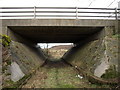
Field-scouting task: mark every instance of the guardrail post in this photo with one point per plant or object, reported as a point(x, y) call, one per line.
point(116, 22)
point(116, 16)
point(34, 12)
point(76, 12)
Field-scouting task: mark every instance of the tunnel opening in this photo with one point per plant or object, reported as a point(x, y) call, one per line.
point(35, 36)
point(55, 51)
point(76, 35)
point(86, 54)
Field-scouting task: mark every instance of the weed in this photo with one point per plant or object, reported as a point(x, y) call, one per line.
point(66, 86)
point(116, 36)
point(111, 73)
point(11, 84)
point(5, 40)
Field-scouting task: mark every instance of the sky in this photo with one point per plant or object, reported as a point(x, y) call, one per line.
point(60, 3)
point(44, 45)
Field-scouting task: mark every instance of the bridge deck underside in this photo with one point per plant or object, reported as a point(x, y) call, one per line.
point(55, 34)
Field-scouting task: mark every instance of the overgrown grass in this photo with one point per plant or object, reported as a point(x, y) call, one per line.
point(99, 86)
point(11, 84)
point(111, 73)
point(66, 86)
point(116, 36)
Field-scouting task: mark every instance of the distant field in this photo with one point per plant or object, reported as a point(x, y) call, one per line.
point(57, 52)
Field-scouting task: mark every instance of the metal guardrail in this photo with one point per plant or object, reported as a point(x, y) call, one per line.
point(58, 12)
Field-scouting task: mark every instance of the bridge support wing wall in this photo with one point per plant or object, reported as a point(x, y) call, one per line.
point(96, 55)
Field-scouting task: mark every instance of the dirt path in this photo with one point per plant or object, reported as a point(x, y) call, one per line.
point(56, 75)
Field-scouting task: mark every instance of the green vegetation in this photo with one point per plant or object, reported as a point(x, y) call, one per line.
point(3, 69)
point(66, 86)
point(5, 40)
point(9, 62)
point(116, 36)
point(22, 80)
point(47, 53)
point(11, 84)
point(99, 86)
point(111, 73)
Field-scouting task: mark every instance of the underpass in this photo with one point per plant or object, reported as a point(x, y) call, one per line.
point(91, 37)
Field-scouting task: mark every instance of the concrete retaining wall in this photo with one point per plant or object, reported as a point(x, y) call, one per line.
point(96, 56)
point(25, 58)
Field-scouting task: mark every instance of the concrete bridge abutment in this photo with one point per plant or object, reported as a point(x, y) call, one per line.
point(94, 41)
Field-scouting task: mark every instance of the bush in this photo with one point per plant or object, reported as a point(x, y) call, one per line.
point(111, 73)
point(5, 40)
point(116, 36)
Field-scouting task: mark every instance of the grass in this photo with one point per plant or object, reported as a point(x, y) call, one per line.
point(111, 73)
point(66, 86)
point(56, 77)
point(11, 84)
point(116, 36)
point(99, 86)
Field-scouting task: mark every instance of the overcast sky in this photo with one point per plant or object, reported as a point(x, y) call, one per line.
point(60, 3)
